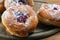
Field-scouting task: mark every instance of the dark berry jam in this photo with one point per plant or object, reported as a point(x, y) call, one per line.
point(21, 17)
point(55, 8)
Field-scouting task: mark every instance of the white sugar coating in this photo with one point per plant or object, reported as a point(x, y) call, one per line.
point(52, 6)
point(54, 13)
point(28, 22)
point(16, 2)
point(6, 14)
point(13, 3)
point(25, 12)
point(16, 12)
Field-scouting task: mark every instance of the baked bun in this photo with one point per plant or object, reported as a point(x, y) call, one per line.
point(2, 5)
point(9, 3)
point(49, 14)
point(20, 20)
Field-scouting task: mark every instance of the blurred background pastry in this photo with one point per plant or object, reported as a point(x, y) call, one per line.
point(49, 14)
point(20, 20)
point(2, 6)
point(9, 3)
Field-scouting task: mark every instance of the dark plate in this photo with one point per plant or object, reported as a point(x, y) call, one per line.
point(42, 30)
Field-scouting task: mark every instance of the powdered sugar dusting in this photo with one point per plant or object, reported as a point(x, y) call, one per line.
point(28, 22)
point(6, 14)
point(54, 10)
point(17, 12)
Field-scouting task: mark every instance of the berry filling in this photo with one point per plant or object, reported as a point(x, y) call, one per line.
point(21, 16)
point(55, 8)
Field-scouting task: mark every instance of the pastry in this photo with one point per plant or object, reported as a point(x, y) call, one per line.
point(20, 20)
point(49, 14)
point(2, 6)
point(9, 3)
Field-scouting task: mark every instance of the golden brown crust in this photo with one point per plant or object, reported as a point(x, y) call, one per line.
point(9, 3)
point(49, 14)
point(30, 2)
point(16, 28)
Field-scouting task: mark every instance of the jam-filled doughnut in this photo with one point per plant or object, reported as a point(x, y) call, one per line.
point(49, 14)
point(20, 20)
point(2, 5)
point(9, 3)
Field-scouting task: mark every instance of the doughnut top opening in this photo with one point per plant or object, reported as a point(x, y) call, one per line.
point(21, 16)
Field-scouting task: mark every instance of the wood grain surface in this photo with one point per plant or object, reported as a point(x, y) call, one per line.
point(54, 37)
point(50, 1)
